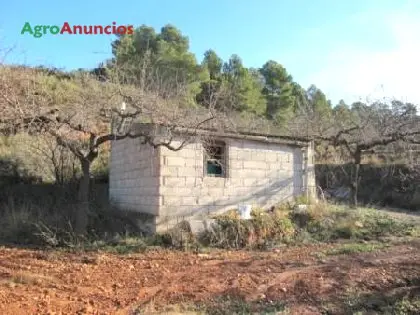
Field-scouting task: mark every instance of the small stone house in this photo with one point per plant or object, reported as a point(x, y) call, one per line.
point(214, 173)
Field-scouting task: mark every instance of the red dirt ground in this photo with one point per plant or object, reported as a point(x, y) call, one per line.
point(40, 282)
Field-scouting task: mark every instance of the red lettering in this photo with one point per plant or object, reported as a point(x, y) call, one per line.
point(96, 28)
point(77, 28)
point(130, 30)
point(114, 28)
point(87, 29)
point(66, 28)
point(121, 30)
point(107, 31)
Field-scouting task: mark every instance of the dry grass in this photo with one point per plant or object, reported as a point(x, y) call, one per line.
point(28, 278)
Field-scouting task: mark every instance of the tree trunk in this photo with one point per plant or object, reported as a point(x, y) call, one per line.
point(81, 214)
point(355, 180)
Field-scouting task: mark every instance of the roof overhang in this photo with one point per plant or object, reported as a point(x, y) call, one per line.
point(161, 130)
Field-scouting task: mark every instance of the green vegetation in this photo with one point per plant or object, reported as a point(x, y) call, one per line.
point(233, 305)
point(398, 303)
point(229, 231)
point(328, 223)
point(224, 305)
point(158, 78)
point(48, 223)
point(269, 91)
point(407, 306)
point(353, 248)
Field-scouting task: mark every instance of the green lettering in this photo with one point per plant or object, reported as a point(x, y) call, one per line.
point(38, 30)
point(54, 29)
point(26, 28)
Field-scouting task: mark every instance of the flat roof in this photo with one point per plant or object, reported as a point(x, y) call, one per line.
point(211, 132)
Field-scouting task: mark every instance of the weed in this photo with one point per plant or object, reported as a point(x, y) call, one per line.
point(348, 249)
point(236, 305)
point(327, 223)
point(258, 232)
point(407, 306)
point(22, 277)
point(118, 245)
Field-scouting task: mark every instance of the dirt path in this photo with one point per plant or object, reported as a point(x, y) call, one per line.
point(35, 282)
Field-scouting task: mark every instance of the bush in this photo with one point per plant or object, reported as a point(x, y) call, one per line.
point(45, 219)
point(179, 237)
point(263, 228)
point(375, 224)
point(324, 223)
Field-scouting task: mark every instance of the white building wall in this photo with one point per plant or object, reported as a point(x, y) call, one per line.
point(134, 176)
point(260, 174)
point(172, 186)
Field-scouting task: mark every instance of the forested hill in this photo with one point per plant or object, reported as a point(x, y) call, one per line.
point(269, 91)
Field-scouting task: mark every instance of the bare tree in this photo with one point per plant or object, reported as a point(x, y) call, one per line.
point(58, 162)
point(79, 110)
point(363, 129)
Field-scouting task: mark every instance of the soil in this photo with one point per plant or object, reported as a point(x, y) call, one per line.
point(53, 282)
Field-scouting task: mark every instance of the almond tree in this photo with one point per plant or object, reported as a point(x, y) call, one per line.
point(77, 110)
point(364, 128)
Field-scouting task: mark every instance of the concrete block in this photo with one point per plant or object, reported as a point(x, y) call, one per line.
point(171, 201)
point(188, 152)
point(235, 182)
point(255, 165)
point(192, 162)
point(174, 161)
point(205, 201)
point(258, 156)
point(252, 173)
point(166, 152)
point(238, 192)
point(175, 191)
point(236, 164)
point(250, 182)
point(151, 191)
point(244, 155)
point(189, 201)
point(189, 171)
point(214, 181)
point(190, 181)
point(173, 181)
point(215, 192)
point(271, 157)
point(223, 201)
point(169, 171)
point(273, 166)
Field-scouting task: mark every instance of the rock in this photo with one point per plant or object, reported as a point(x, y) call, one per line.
point(86, 309)
point(262, 296)
point(358, 224)
point(301, 207)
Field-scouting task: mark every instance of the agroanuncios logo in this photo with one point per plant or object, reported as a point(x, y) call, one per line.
point(38, 31)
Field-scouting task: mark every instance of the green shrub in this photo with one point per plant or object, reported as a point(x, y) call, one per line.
point(341, 223)
point(355, 248)
point(258, 232)
point(179, 237)
point(407, 306)
point(377, 225)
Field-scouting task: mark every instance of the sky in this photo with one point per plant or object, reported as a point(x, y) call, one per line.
point(351, 50)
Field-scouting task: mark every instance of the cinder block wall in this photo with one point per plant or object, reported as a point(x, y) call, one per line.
point(134, 176)
point(171, 185)
point(258, 173)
